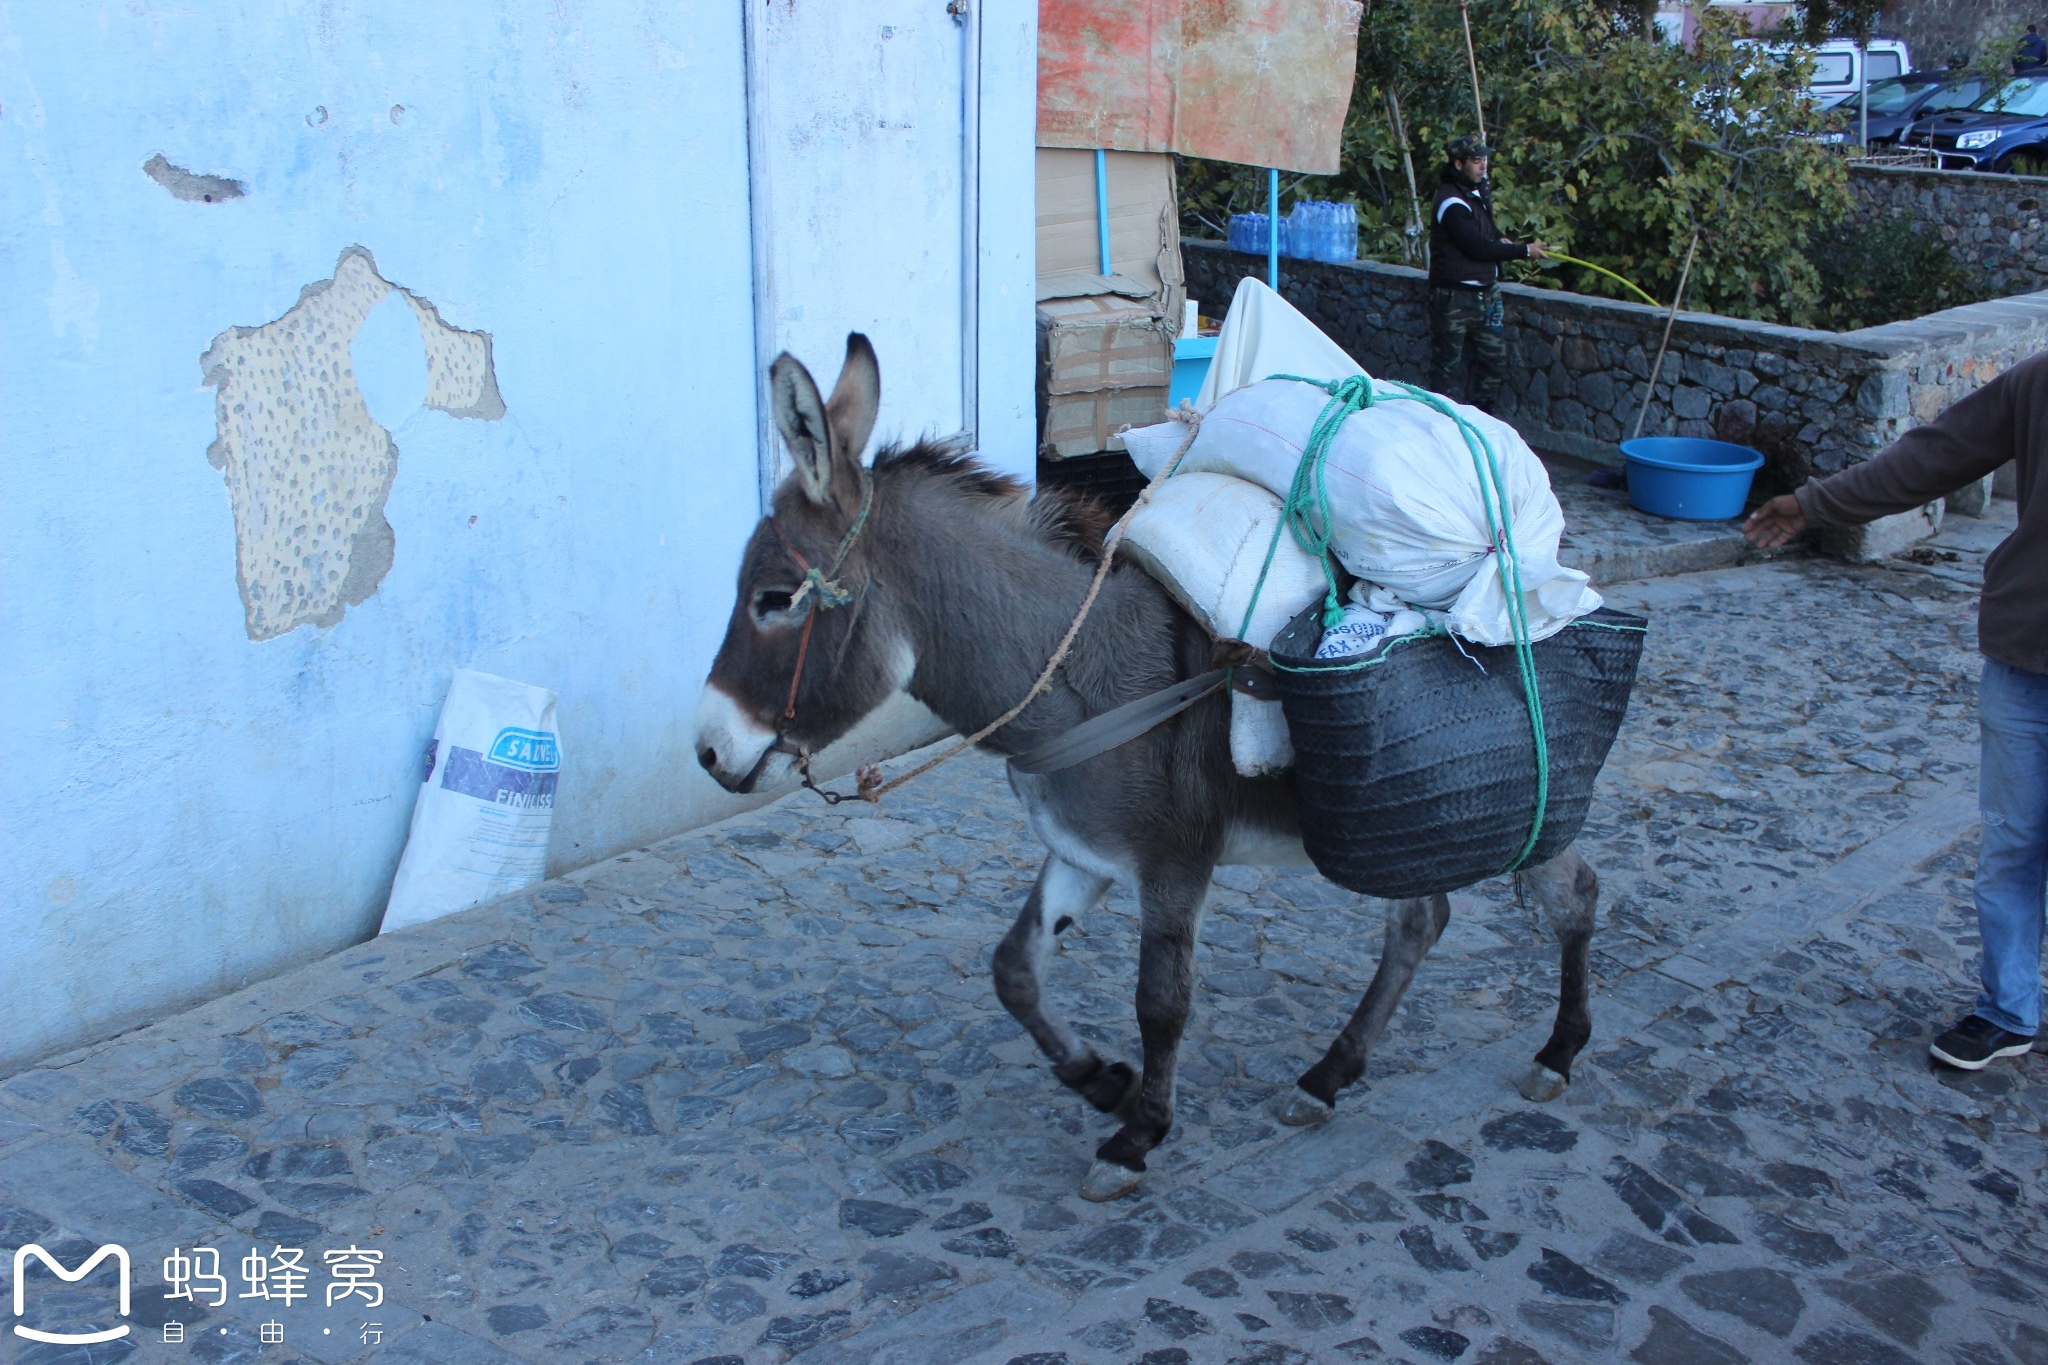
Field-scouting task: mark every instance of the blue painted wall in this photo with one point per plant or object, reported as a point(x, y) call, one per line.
point(187, 807)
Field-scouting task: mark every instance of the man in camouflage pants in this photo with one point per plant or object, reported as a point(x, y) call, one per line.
point(1465, 252)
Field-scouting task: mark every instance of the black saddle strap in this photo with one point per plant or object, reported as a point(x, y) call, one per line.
point(1120, 725)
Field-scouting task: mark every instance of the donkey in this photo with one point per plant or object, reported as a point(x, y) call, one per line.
point(956, 586)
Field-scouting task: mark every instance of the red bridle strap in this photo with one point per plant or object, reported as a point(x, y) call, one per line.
point(803, 644)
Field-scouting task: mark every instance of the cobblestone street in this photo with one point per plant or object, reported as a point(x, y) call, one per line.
point(748, 1095)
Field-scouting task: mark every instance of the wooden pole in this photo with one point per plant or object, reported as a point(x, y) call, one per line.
point(1650, 394)
point(1413, 244)
point(1472, 60)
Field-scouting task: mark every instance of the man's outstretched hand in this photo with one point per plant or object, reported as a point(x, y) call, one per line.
point(1775, 523)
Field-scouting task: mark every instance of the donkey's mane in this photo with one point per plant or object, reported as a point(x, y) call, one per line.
point(1065, 517)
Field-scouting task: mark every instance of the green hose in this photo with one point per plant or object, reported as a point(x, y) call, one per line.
point(1573, 260)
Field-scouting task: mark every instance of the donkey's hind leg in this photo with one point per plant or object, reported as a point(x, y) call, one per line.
point(1063, 894)
point(1567, 891)
point(1412, 930)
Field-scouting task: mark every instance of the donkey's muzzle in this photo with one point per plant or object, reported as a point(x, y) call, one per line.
point(738, 752)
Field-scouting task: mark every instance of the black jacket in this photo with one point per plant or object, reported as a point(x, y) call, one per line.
point(1465, 248)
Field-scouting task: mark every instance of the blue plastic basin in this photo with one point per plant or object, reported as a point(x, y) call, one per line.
point(1689, 479)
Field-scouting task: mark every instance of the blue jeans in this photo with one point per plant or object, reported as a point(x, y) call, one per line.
point(2012, 869)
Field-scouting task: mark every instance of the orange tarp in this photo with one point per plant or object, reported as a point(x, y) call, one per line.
point(1259, 82)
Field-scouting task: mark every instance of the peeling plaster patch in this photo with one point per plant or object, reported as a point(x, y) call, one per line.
point(461, 379)
point(308, 469)
point(194, 189)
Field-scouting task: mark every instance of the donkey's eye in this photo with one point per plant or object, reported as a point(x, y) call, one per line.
point(771, 601)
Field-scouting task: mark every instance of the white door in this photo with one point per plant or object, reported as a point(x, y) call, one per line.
point(863, 140)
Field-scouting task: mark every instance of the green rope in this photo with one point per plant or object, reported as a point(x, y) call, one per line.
point(1307, 514)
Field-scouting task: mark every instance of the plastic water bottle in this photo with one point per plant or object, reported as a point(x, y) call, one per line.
point(1301, 242)
point(1320, 230)
point(1248, 233)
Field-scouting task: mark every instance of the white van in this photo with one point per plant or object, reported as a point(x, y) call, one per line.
point(1841, 68)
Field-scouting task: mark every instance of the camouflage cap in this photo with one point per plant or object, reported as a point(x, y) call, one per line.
point(1467, 149)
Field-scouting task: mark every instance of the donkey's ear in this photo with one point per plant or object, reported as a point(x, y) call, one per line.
point(851, 412)
point(800, 417)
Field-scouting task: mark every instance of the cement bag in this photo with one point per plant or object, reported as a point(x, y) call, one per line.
point(1205, 536)
point(1405, 503)
point(480, 826)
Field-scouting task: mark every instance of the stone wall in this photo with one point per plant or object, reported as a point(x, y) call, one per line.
point(1813, 402)
point(1992, 223)
point(1936, 31)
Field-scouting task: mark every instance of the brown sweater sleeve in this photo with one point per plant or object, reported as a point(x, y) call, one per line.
point(1974, 436)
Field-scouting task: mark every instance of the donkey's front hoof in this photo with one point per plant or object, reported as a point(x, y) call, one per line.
point(1303, 1109)
point(1542, 1085)
point(1106, 1180)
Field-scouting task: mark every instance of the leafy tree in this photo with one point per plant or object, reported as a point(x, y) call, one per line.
point(1624, 153)
point(1613, 146)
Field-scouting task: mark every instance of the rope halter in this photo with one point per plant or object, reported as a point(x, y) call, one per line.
point(825, 591)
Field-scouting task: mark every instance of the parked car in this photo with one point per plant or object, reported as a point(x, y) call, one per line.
point(2002, 129)
point(1897, 102)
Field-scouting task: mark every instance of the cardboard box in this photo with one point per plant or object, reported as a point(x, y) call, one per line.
point(1144, 219)
point(1087, 423)
point(1088, 345)
point(1105, 342)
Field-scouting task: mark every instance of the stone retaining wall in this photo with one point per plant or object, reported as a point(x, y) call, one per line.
point(1992, 223)
point(1813, 402)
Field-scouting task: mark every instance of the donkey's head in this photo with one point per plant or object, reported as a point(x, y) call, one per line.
point(806, 653)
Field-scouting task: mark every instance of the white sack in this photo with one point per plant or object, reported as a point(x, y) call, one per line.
point(1205, 536)
point(1264, 335)
point(1405, 504)
point(480, 826)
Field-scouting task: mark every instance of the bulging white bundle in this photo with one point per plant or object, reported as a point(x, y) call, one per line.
point(1205, 537)
point(1405, 500)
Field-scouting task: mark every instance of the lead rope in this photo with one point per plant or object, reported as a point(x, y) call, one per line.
point(868, 783)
